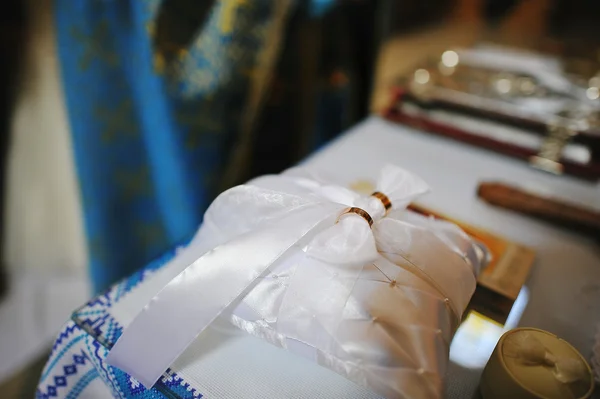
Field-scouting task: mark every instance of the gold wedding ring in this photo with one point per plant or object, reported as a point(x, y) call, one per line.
point(360, 212)
point(387, 204)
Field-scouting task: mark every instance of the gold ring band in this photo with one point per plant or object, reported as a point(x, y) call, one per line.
point(387, 204)
point(360, 212)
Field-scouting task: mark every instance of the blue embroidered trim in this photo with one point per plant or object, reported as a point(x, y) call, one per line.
point(60, 381)
point(82, 383)
point(100, 331)
point(59, 356)
point(63, 335)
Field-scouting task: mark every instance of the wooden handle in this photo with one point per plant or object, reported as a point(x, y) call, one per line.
point(568, 215)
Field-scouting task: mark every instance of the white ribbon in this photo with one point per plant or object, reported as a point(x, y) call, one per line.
point(265, 220)
point(193, 299)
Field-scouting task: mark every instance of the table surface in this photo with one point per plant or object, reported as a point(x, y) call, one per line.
point(564, 284)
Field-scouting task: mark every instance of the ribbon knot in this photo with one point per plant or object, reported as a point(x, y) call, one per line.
point(530, 351)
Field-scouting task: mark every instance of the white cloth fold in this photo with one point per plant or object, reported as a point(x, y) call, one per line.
point(370, 304)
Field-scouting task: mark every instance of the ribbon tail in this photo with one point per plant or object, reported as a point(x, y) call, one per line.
point(314, 302)
point(197, 296)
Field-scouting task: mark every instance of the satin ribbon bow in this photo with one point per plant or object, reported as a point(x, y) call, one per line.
point(264, 220)
point(530, 351)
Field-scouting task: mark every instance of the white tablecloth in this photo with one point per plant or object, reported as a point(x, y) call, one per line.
point(564, 284)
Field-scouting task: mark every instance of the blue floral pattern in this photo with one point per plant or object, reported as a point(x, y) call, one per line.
point(154, 131)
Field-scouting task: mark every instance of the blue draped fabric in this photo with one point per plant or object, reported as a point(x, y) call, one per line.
point(172, 101)
point(154, 132)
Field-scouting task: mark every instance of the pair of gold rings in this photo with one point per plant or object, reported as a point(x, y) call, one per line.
point(387, 204)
